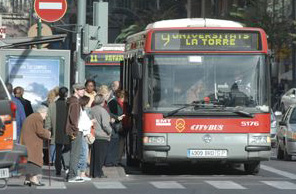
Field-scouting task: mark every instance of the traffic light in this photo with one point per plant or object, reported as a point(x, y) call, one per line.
point(90, 38)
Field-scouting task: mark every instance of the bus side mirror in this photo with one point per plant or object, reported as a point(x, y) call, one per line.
point(136, 69)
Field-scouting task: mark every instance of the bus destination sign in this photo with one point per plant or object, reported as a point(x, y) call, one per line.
point(213, 40)
point(100, 58)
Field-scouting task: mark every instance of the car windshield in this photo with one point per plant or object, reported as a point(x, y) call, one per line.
point(103, 74)
point(228, 80)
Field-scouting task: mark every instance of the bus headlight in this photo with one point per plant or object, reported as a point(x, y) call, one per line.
point(261, 139)
point(154, 140)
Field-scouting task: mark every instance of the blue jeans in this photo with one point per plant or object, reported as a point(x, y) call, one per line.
point(52, 151)
point(82, 164)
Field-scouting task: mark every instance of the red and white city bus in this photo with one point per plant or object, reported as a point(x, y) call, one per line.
point(198, 91)
point(103, 65)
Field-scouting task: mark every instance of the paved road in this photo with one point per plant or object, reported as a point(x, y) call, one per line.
point(275, 177)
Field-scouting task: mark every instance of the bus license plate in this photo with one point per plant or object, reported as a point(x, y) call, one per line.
point(4, 173)
point(207, 153)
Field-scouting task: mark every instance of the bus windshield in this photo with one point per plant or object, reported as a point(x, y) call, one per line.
point(229, 80)
point(103, 74)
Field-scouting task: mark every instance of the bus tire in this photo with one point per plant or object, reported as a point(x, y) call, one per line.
point(146, 167)
point(252, 167)
point(132, 162)
point(280, 152)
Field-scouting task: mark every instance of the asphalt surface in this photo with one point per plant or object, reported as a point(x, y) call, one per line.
point(274, 177)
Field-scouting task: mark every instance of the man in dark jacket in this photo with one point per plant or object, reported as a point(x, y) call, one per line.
point(56, 123)
point(73, 131)
point(18, 93)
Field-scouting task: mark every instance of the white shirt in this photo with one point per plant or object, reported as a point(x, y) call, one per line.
point(84, 123)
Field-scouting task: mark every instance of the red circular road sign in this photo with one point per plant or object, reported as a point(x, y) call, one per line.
point(50, 10)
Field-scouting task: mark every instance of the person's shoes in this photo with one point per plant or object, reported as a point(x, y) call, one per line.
point(85, 178)
point(76, 180)
point(39, 184)
point(27, 183)
point(102, 176)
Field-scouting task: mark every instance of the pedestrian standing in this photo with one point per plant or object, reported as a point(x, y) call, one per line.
point(103, 132)
point(122, 97)
point(52, 96)
point(84, 125)
point(73, 131)
point(33, 136)
point(116, 112)
point(56, 123)
point(18, 93)
point(20, 115)
point(90, 86)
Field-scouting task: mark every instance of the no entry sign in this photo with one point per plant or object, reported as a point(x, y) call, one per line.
point(50, 10)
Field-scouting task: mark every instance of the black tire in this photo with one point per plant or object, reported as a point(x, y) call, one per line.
point(252, 167)
point(132, 162)
point(287, 157)
point(147, 167)
point(280, 152)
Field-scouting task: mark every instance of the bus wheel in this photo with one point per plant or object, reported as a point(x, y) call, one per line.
point(280, 152)
point(131, 161)
point(252, 167)
point(146, 167)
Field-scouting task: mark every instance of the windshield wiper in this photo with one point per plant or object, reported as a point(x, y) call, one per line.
point(196, 104)
point(244, 113)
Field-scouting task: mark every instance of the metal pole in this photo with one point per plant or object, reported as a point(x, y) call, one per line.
point(203, 8)
point(39, 31)
point(293, 46)
point(81, 18)
point(49, 162)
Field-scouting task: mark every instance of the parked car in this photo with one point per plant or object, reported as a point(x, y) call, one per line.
point(288, 99)
point(11, 153)
point(273, 129)
point(286, 136)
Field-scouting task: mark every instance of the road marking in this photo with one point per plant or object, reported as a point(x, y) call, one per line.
point(167, 185)
point(225, 185)
point(280, 184)
point(109, 185)
point(50, 5)
point(54, 185)
point(279, 172)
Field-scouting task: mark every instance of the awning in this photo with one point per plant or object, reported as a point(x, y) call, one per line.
point(27, 41)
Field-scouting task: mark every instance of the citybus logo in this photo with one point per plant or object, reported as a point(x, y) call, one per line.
point(207, 127)
point(180, 125)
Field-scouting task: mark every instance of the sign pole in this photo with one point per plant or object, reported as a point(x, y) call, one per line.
point(39, 29)
point(81, 19)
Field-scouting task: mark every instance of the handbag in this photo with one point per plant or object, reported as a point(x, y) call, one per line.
point(89, 138)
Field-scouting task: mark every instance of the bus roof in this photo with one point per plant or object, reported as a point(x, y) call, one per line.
point(193, 22)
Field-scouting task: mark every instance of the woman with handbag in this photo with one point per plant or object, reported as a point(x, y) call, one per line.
point(84, 125)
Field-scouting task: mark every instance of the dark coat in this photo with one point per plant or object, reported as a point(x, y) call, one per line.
point(73, 116)
point(33, 135)
point(27, 106)
point(56, 122)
